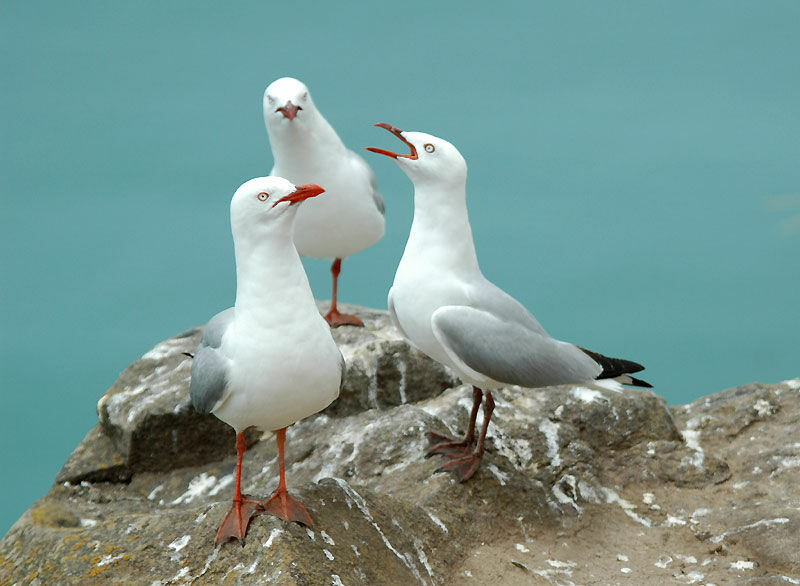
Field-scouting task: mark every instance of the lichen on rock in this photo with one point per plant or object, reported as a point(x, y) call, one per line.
point(578, 485)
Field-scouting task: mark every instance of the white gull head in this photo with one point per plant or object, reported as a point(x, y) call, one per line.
point(288, 103)
point(431, 161)
point(267, 204)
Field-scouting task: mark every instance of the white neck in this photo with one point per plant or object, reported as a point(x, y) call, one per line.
point(310, 139)
point(270, 276)
point(441, 235)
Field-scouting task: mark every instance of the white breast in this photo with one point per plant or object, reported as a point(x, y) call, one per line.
point(279, 376)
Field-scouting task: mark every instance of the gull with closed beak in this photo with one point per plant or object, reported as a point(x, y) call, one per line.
point(269, 360)
point(305, 147)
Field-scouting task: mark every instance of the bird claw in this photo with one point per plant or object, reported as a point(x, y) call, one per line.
point(463, 467)
point(237, 521)
point(286, 507)
point(447, 446)
point(336, 319)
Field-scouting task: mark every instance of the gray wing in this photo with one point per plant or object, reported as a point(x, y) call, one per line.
point(216, 328)
point(509, 352)
point(487, 296)
point(377, 198)
point(210, 367)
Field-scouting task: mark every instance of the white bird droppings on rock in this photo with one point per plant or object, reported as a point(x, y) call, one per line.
point(422, 556)
point(673, 521)
point(692, 438)
point(109, 559)
point(180, 543)
point(763, 522)
point(550, 431)
point(183, 572)
point(663, 561)
point(561, 565)
point(501, 476)
point(560, 488)
point(621, 557)
point(328, 554)
point(272, 535)
point(742, 565)
point(690, 578)
point(764, 408)
point(437, 521)
point(222, 484)
point(327, 538)
point(613, 497)
point(625, 570)
point(198, 486)
point(521, 548)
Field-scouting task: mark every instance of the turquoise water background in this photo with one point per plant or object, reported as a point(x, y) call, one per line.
point(634, 178)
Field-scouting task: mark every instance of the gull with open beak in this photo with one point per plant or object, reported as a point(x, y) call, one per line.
point(441, 302)
point(269, 360)
point(305, 147)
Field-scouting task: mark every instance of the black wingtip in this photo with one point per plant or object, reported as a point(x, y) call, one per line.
point(188, 354)
point(637, 382)
point(617, 367)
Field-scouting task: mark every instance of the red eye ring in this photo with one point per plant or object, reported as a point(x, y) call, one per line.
point(263, 196)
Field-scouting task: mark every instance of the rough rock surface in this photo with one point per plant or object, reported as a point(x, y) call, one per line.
point(579, 485)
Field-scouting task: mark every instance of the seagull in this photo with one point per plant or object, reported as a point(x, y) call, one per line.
point(442, 304)
point(269, 360)
point(305, 147)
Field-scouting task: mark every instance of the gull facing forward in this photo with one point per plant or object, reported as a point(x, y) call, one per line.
point(306, 148)
point(269, 360)
point(441, 302)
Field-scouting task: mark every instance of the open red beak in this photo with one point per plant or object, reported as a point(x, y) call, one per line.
point(399, 134)
point(289, 110)
point(301, 193)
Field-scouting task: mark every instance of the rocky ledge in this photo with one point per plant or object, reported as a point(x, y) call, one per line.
point(579, 485)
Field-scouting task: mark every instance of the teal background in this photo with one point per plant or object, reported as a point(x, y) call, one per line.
point(634, 178)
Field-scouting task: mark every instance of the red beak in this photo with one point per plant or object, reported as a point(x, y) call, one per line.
point(289, 110)
point(399, 134)
point(301, 193)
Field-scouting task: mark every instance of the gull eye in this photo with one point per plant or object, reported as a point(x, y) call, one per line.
point(429, 148)
point(271, 100)
point(305, 95)
point(263, 196)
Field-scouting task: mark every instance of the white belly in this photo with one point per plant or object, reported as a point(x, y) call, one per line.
point(415, 298)
point(272, 385)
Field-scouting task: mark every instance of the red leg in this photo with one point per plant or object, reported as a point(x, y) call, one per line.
point(333, 317)
point(243, 509)
point(281, 503)
point(447, 446)
point(465, 466)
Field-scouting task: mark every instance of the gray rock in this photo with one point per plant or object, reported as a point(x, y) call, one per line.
point(148, 416)
point(578, 485)
point(96, 459)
